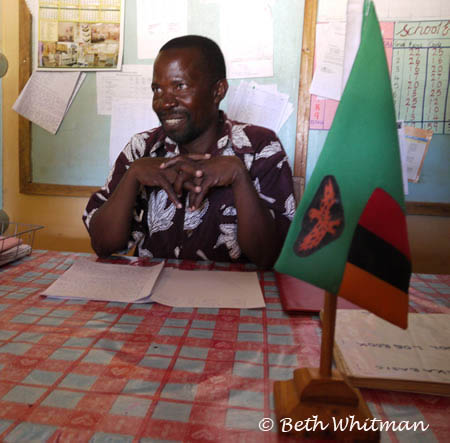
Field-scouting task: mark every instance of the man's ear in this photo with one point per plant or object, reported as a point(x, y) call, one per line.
point(220, 90)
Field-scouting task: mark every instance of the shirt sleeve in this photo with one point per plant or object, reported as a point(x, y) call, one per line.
point(272, 178)
point(102, 195)
point(136, 148)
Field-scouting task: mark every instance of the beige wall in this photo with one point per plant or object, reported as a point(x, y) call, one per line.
point(429, 236)
point(60, 215)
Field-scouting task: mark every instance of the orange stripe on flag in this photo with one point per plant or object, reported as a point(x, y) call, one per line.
point(375, 295)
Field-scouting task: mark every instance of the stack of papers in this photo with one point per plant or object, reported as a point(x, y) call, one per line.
point(14, 253)
point(89, 280)
point(47, 96)
point(260, 105)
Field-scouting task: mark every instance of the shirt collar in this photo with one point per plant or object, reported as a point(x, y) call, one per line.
point(223, 141)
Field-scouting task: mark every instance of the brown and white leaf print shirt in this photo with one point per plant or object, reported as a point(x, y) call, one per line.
point(161, 230)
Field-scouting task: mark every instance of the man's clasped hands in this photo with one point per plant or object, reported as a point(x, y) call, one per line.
point(196, 173)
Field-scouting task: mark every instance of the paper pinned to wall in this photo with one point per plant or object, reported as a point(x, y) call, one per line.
point(389, 10)
point(246, 38)
point(403, 154)
point(140, 117)
point(327, 80)
point(134, 81)
point(417, 141)
point(157, 22)
point(47, 96)
point(257, 104)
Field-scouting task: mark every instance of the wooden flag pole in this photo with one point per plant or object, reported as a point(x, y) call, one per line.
point(328, 325)
point(316, 399)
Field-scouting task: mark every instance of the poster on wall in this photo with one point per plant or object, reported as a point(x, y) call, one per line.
point(79, 35)
point(418, 55)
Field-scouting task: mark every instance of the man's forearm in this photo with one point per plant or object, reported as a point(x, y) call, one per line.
point(257, 235)
point(110, 226)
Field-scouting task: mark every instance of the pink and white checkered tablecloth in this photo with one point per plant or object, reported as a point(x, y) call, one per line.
point(114, 372)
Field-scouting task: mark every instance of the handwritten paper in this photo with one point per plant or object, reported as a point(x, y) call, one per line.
point(90, 280)
point(375, 353)
point(208, 289)
point(47, 96)
point(418, 55)
point(134, 81)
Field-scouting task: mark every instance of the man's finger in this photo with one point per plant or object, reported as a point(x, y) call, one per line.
point(170, 191)
point(191, 187)
point(197, 199)
point(183, 158)
point(178, 184)
point(197, 157)
point(189, 169)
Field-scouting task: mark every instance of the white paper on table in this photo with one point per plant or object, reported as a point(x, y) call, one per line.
point(403, 153)
point(158, 21)
point(327, 79)
point(208, 289)
point(250, 103)
point(139, 117)
point(134, 81)
point(46, 98)
point(246, 37)
point(90, 280)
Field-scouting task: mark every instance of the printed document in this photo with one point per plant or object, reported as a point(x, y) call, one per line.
point(134, 81)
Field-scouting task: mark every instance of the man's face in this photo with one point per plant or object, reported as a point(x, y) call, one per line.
point(184, 97)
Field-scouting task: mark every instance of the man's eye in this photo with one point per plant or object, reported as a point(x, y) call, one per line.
point(156, 89)
point(182, 86)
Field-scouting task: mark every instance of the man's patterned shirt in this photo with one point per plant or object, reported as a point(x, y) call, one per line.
point(161, 230)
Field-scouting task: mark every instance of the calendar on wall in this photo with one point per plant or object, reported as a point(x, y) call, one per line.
point(418, 54)
point(79, 35)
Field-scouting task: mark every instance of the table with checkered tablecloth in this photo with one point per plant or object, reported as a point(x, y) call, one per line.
point(74, 370)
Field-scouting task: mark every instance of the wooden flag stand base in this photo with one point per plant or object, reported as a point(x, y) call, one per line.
point(320, 403)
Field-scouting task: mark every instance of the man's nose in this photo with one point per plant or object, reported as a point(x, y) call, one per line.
point(168, 99)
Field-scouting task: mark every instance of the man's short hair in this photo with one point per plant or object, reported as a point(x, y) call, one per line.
point(210, 50)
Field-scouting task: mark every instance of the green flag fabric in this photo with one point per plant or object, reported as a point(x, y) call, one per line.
point(360, 159)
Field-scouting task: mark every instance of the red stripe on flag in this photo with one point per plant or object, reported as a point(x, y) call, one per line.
point(384, 217)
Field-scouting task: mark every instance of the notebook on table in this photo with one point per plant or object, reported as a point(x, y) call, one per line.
point(298, 295)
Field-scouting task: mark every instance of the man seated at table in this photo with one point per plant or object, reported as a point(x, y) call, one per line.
point(200, 186)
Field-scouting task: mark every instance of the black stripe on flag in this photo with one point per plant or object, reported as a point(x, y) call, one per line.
point(374, 255)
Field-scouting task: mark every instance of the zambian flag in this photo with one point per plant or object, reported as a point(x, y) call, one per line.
point(349, 233)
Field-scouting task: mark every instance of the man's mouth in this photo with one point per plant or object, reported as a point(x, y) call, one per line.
point(172, 120)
